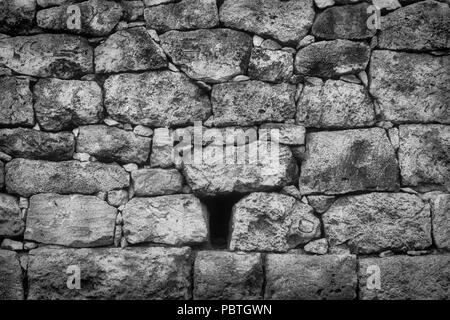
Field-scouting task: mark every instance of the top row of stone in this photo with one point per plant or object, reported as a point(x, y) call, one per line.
point(420, 26)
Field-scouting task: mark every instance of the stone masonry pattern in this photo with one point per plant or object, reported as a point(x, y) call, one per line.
point(97, 96)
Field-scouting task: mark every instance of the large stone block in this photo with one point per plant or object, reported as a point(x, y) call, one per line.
point(440, 209)
point(271, 65)
point(16, 15)
point(16, 102)
point(11, 287)
point(156, 182)
point(11, 223)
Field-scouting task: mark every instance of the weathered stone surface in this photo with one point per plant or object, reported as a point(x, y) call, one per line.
point(129, 50)
point(284, 133)
point(10, 276)
point(308, 277)
point(320, 203)
point(70, 220)
point(28, 177)
point(332, 58)
point(93, 17)
point(182, 15)
point(239, 169)
point(319, 246)
point(16, 15)
point(420, 26)
point(251, 102)
point(272, 222)
point(157, 182)
point(285, 21)
point(220, 275)
point(424, 156)
point(270, 65)
point(109, 144)
point(163, 155)
point(132, 10)
point(160, 98)
point(2, 175)
point(62, 104)
point(117, 198)
point(335, 104)
point(131, 273)
point(34, 144)
point(344, 161)
point(52, 3)
point(343, 22)
point(378, 222)
point(404, 277)
point(215, 55)
point(16, 102)
point(47, 55)
point(440, 209)
point(11, 223)
point(401, 82)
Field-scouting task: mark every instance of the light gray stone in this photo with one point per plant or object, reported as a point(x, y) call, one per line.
point(11, 276)
point(320, 203)
point(162, 149)
point(440, 209)
point(270, 65)
point(284, 133)
point(157, 182)
point(117, 198)
point(11, 223)
point(319, 246)
point(12, 245)
point(16, 103)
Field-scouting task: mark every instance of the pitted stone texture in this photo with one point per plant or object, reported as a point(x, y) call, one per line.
point(270, 65)
point(163, 155)
point(329, 59)
point(284, 133)
point(132, 10)
point(405, 278)
point(285, 21)
point(420, 26)
point(47, 55)
point(129, 50)
point(156, 182)
point(156, 99)
point(272, 222)
point(378, 222)
point(34, 144)
point(16, 15)
point(173, 219)
point(343, 22)
point(130, 273)
point(16, 103)
point(109, 144)
point(93, 17)
point(238, 169)
point(335, 104)
point(2, 175)
point(309, 277)
point(28, 177)
point(52, 3)
point(401, 82)
point(11, 223)
point(440, 209)
point(424, 156)
point(63, 104)
point(11, 287)
point(221, 275)
point(70, 220)
point(182, 15)
point(215, 55)
point(338, 162)
point(251, 102)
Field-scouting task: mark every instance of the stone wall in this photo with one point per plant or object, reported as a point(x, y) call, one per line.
point(95, 95)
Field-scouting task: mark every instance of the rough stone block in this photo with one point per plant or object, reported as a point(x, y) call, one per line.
point(156, 182)
point(10, 276)
point(11, 223)
point(16, 103)
point(440, 209)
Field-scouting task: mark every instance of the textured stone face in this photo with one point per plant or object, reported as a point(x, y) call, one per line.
point(222, 172)
point(288, 134)
point(109, 144)
point(63, 104)
point(182, 15)
point(70, 220)
point(47, 55)
point(93, 17)
point(332, 58)
point(129, 50)
point(34, 144)
point(306, 277)
point(378, 222)
point(156, 182)
point(404, 277)
point(272, 222)
point(401, 84)
point(16, 103)
point(51, 3)
point(215, 55)
point(162, 149)
point(338, 162)
point(11, 223)
point(131, 273)
point(335, 104)
point(10, 276)
point(420, 26)
point(285, 21)
point(252, 102)
point(440, 209)
point(16, 15)
point(424, 156)
point(270, 65)
point(220, 275)
point(2, 175)
point(174, 219)
point(28, 177)
point(160, 98)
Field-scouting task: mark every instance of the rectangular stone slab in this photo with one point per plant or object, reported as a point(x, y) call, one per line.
point(10, 276)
